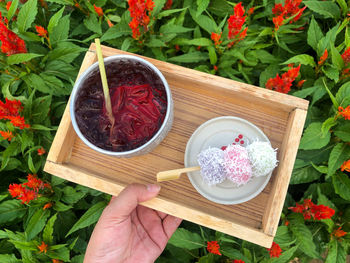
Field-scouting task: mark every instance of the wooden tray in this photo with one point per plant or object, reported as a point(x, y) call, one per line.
point(198, 97)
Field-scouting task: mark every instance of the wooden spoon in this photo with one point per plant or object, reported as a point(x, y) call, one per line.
point(175, 174)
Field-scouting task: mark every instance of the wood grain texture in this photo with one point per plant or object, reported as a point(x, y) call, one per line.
point(287, 155)
point(99, 182)
point(198, 97)
point(62, 144)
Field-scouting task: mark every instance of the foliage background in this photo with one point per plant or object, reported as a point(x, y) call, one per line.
point(179, 33)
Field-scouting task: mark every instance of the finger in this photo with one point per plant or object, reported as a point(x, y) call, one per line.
point(121, 206)
point(161, 214)
point(170, 224)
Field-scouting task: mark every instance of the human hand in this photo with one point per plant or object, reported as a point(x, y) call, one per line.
point(129, 232)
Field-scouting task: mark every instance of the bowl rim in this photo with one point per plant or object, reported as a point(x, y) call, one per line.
point(83, 77)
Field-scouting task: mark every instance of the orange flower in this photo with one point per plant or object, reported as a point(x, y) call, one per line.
point(56, 261)
point(42, 32)
point(110, 24)
point(344, 112)
point(323, 57)
point(41, 151)
point(216, 38)
point(213, 247)
point(301, 83)
point(346, 56)
point(251, 11)
point(16, 190)
point(47, 206)
point(43, 247)
point(8, 5)
point(98, 10)
point(286, 223)
point(278, 21)
point(339, 233)
point(216, 68)
point(27, 196)
point(275, 250)
point(7, 135)
point(236, 21)
point(322, 212)
point(345, 166)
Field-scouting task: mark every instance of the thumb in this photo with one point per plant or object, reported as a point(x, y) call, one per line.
point(122, 206)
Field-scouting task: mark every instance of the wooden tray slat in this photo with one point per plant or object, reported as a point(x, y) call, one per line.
point(198, 97)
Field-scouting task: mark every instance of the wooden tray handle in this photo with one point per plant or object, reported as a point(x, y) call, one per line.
point(175, 174)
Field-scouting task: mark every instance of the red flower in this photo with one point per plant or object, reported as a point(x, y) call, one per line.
point(275, 250)
point(346, 56)
point(56, 261)
point(41, 151)
point(34, 182)
point(238, 261)
point(10, 108)
point(323, 57)
point(283, 84)
point(27, 196)
point(286, 223)
point(236, 21)
point(290, 8)
point(43, 247)
point(7, 135)
point(322, 212)
point(16, 190)
point(243, 34)
point(345, 166)
point(168, 4)
point(10, 42)
point(216, 68)
point(344, 112)
point(98, 10)
point(308, 203)
point(339, 233)
point(42, 32)
point(139, 12)
point(216, 38)
point(110, 24)
point(297, 209)
point(47, 206)
point(278, 21)
point(18, 121)
point(213, 247)
point(278, 9)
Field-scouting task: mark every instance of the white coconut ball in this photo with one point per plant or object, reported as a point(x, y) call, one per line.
point(263, 158)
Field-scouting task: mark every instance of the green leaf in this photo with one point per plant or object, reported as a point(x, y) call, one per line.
point(304, 175)
point(171, 28)
point(11, 210)
point(93, 24)
point(48, 230)
point(20, 58)
point(71, 196)
point(304, 238)
point(327, 125)
point(336, 252)
point(11, 150)
point(170, 12)
point(54, 20)
point(331, 72)
point(12, 10)
point(313, 137)
point(343, 95)
point(62, 2)
point(26, 15)
point(343, 132)
point(66, 52)
point(183, 238)
point(336, 58)
point(158, 6)
point(9, 258)
point(303, 93)
point(326, 8)
point(115, 32)
point(204, 22)
point(26, 140)
point(212, 55)
point(283, 237)
point(126, 44)
point(202, 6)
point(36, 223)
point(341, 183)
point(232, 253)
point(89, 217)
point(339, 154)
point(154, 42)
point(42, 128)
point(192, 57)
point(301, 59)
point(61, 207)
point(41, 108)
point(325, 42)
point(61, 254)
point(203, 42)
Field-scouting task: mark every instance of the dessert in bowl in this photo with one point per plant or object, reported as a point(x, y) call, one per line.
point(141, 101)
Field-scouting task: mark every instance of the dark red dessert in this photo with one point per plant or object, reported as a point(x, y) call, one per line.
point(139, 105)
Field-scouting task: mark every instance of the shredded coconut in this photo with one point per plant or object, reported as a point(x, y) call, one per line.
point(211, 162)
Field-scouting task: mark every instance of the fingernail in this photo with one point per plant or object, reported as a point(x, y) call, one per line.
point(153, 188)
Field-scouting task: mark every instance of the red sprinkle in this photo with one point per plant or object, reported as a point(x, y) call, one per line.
point(242, 142)
point(236, 140)
point(223, 148)
point(240, 136)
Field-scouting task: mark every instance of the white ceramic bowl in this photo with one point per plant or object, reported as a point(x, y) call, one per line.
point(220, 132)
point(156, 139)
